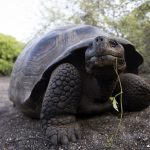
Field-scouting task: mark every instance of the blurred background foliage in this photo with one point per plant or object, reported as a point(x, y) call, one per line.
point(126, 18)
point(9, 50)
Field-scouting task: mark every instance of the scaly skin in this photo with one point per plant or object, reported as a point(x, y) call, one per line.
point(60, 105)
point(136, 92)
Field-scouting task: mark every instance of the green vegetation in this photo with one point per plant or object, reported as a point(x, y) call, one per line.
point(9, 50)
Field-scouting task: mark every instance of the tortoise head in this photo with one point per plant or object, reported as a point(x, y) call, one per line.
point(103, 55)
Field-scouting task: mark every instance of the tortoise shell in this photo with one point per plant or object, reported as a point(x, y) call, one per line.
point(41, 55)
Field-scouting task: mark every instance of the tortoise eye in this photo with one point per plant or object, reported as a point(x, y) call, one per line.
point(113, 43)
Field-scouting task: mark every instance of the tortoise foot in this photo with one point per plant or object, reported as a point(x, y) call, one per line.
point(62, 130)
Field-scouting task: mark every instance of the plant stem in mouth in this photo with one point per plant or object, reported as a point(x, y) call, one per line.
point(121, 91)
point(113, 137)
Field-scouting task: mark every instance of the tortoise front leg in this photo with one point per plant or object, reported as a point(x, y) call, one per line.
point(60, 105)
point(136, 92)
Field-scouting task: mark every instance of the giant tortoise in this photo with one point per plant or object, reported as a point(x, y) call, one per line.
point(69, 72)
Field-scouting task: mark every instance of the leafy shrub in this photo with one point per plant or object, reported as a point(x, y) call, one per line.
point(9, 50)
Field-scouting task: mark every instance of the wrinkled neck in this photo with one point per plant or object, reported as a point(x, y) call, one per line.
point(107, 85)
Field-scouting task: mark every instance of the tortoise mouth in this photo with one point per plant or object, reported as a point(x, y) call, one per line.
point(106, 60)
point(98, 63)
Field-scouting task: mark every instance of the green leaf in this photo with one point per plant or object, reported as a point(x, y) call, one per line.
point(114, 103)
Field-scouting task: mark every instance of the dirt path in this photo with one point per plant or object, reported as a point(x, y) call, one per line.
point(4, 102)
point(18, 132)
point(4, 82)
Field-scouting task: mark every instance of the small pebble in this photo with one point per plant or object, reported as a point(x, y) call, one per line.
point(148, 146)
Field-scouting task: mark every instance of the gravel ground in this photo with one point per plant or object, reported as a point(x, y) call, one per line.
point(18, 132)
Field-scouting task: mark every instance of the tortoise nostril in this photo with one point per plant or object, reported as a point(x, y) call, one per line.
point(97, 40)
point(101, 39)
